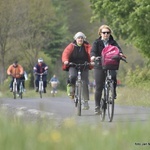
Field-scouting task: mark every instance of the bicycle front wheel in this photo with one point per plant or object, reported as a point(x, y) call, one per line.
point(15, 91)
point(110, 101)
point(21, 91)
point(40, 88)
point(79, 99)
point(40, 92)
point(103, 106)
point(15, 94)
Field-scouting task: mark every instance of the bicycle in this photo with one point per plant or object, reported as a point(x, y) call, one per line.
point(107, 100)
point(41, 83)
point(15, 88)
point(78, 86)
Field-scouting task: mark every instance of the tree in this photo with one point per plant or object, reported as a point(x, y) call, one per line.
point(130, 20)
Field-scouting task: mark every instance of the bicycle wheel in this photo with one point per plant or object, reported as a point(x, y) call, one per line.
point(103, 106)
point(21, 91)
point(40, 92)
point(40, 88)
point(76, 95)
point(110, 101)
point(79, 99)
point(15, 90)
point(15, 94)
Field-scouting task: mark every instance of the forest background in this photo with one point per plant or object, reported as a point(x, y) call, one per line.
point(30, 29)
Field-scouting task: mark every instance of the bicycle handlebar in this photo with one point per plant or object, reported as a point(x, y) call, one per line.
point(41, 74)
point(120, 57)
point(75, 64)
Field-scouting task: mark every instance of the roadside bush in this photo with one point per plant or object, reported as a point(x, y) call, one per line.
point(138, 77)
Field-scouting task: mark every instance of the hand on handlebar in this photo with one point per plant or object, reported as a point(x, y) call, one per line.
point(66, 62)
point(93, 58)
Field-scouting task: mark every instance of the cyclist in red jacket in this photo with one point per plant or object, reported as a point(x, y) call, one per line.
point(78, 52)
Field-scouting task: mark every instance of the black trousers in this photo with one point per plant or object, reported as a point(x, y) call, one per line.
point(99, 76)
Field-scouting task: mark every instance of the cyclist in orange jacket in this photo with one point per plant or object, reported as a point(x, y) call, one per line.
point(16, 71)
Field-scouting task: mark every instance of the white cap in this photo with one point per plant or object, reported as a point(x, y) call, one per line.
point(40, 60)
point(79, 34)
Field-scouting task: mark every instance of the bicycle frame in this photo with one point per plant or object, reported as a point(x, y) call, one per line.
point(78, 86)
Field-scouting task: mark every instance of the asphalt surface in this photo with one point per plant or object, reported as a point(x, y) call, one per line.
point(61, 108)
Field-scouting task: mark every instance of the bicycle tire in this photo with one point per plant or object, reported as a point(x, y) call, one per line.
point(15, 95)
point(40, 89)
point(79, 99)
point(103, 106)
point(110, 101)
point(15, 91)
point(21, 91)
point(76, 96)
point(40, 92)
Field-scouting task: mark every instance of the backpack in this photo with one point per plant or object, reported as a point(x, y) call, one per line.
point(109, 57)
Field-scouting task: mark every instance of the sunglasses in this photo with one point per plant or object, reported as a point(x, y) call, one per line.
point(106, 32)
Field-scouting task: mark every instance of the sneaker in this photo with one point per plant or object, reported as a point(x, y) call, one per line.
point(85, 105)
point(97, 110)
point(70, 90)
point(44, 90)
point(37, 89)
point(11, 90)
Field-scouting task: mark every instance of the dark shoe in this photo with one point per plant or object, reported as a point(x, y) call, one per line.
point(37, 89)
point(70, 90)
point(44, 90)
point(97, 110)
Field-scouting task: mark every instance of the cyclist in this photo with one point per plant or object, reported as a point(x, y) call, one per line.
point(40, 68)
point(16, 71)
point(54, 83)
point(105, 38)
point(78, 52)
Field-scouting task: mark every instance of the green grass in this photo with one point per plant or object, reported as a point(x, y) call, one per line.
point(17, 135)
point(133, 96)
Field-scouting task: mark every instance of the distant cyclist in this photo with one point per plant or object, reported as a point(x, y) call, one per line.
point(54, 83)
point(16, 71)
point(40, 68)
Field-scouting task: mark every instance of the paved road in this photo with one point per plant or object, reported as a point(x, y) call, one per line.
point(60, 108)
